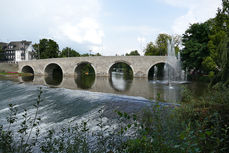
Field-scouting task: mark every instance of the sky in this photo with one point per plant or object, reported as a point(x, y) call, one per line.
point(110, 27)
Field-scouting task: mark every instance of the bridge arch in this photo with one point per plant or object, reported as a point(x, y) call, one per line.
point(27, 69)
point(117, 62)
point(84, 75)
point(80, 65)
point(52, 69)
point(156, 63)
point(54, 74)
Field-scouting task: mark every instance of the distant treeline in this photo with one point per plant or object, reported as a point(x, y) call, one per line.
point(48, 48)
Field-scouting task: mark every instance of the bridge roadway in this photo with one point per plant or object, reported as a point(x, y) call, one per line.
point(140, 65)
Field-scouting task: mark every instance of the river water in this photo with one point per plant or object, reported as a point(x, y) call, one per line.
point(77, 99)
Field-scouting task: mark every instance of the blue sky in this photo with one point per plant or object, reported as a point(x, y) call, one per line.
point(106, 26)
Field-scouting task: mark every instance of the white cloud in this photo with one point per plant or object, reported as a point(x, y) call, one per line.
point(61, 20)
point(130, 37)
point(86, 31)
point(77, 23)
point(142, 29)
point(80, 23)
point(182, 23)
point(197, 11)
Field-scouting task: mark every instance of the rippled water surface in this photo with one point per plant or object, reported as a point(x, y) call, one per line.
point(80, 99)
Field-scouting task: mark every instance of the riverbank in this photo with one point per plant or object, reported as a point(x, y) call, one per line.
point(14, 74)
point(8, 67)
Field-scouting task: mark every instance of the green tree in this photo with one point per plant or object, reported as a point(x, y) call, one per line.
point(195, 42)
point(46, 48)
point(2, 56)
point(206, 46)
point(162, 43)
point(68, 52)
point(219, 45)
point(177, 39)
point(84, 55)
point(151, 49)
point(97, 54)
point(133, 53)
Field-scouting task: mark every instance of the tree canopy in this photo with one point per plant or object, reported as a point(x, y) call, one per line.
point(151, 49)
point(195, 42)
point(2, 57)
point(86, 54)
point(161, 45)
point(68, 52)
point(206, 46)
point(133, 53)
point(218, 61)
point(46, 48)
point(97, 54)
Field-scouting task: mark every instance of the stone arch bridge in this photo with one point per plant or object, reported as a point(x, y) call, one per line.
point(140, 65)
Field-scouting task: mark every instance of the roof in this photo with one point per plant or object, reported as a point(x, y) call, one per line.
point(18, 45)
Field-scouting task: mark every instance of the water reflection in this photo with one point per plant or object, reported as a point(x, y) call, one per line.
point(119, 82)
point(53, 80)
point(138, 87)
point(27, 78)
point(85, 81)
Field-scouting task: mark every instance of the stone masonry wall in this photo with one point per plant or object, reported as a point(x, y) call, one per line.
point(7, 67)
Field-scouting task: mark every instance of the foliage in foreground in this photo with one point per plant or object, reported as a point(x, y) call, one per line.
point(197, 125)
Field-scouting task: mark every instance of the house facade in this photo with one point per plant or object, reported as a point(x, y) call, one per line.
point(16, 51)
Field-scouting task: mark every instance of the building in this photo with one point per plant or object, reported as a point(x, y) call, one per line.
point(16, 51)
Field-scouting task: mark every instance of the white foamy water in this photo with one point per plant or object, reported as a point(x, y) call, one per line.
point(60, 105)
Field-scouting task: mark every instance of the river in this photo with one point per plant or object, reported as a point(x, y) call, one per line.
point(74, 99)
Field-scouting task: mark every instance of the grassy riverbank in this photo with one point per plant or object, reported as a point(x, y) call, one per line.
point(14, 74)
point(197, 125)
